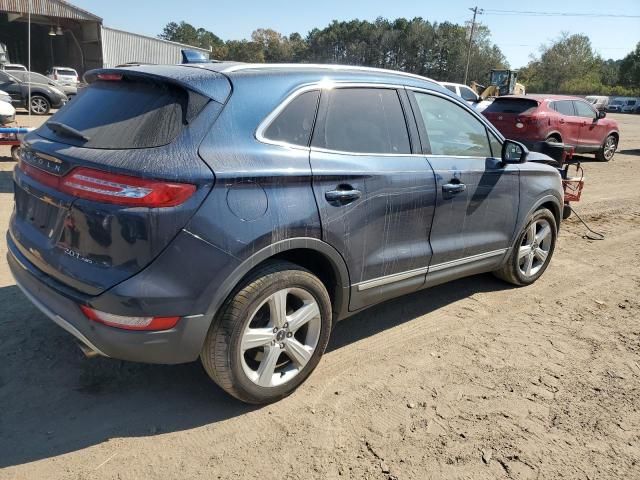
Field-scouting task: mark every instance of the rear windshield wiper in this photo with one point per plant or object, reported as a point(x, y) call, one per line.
point(62, 129)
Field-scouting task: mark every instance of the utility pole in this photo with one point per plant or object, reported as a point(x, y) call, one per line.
point(29, 62)
point(475, 11)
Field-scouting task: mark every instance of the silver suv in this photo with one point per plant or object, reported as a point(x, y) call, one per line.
point(63, 75)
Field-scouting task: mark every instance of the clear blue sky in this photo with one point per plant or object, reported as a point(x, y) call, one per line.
point(518, 37)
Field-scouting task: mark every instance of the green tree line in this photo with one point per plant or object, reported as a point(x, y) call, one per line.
point(570, 65)
point(436, 50)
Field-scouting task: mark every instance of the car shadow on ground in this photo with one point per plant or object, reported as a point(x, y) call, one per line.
point(630, 151)
point(55, 401)
point(584, 159)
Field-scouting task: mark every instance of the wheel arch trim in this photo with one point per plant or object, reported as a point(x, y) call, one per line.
point(548, 198)
point(555, 133)
point(299, 243)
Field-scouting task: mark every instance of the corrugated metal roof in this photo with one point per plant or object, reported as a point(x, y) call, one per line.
point(49, 8)
point(120, 47)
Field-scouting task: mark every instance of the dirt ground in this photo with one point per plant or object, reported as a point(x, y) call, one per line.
point(473, 379)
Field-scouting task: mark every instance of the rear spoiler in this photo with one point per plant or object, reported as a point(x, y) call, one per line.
point(209, 83)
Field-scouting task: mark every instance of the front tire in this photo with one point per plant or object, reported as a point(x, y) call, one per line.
point(270, 334)
point(532, 251)
point(15, 153)
point(39, 105)
point(608, 149)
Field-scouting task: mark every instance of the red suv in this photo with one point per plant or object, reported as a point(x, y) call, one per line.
point(555, 118)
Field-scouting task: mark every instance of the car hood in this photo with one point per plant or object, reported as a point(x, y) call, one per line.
point(538, 157)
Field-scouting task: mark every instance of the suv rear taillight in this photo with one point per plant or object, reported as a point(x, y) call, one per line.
point(105, 187)
point(129, 323)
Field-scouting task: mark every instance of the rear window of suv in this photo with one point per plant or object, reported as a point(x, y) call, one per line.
point(126, 114)
point(66, 71)
point(518, 106)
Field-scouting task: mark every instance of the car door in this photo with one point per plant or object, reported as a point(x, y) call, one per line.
point(375, 196)
point(592, 133)
point(567, 122)
point(477, 195)
point(12, 87)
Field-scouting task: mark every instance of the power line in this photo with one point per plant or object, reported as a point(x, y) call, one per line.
point(555, 14)
point(527, 45)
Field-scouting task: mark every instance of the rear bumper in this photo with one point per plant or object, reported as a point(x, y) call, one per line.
point(180, 344)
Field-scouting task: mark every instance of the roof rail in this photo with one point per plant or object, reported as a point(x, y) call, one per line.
point(266, 66)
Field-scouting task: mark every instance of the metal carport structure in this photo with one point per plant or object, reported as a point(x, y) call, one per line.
point(65, 35)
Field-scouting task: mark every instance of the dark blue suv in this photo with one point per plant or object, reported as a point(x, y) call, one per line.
point(235, 212)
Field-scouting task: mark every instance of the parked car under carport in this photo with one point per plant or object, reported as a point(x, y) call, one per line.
point(40, 97)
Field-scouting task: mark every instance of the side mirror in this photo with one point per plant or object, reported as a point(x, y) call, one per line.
point(514, 152)
point(601, 114)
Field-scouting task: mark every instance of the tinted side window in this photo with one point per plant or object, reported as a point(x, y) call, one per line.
point(363, 120)
point(452, 88)
point(584, 110)
point(451, 129)
point(293, 125)
point(564, 107)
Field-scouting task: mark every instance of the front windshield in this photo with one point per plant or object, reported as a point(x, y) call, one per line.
point(500, 78)
point(11, 77)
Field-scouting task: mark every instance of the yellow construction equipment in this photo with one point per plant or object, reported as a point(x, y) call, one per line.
point(501, 82)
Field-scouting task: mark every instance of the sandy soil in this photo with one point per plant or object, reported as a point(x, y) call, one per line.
point(473, 379)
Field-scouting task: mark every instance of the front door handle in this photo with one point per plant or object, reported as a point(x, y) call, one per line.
point(342, 196)
point(453, 188)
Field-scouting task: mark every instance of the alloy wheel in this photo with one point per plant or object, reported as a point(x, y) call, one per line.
point(38, 106)
point(281, 337)
point(535, 247)
point(609, 148)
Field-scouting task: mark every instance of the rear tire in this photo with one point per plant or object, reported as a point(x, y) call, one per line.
point(532, 251)
point(270, 333)
point(608, 149)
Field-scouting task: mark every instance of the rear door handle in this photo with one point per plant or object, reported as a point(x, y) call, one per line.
point(453, 188)
point(342, 196)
